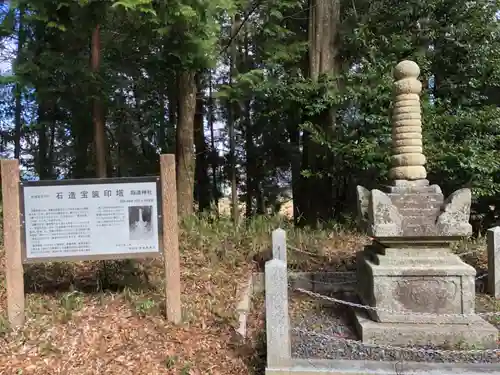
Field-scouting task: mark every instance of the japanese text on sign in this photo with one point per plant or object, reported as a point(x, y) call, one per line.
point(77, 220)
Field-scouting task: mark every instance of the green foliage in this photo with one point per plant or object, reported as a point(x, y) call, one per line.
point(195, 21)
point(463, 148)
point(7, 24)
point(281, 131)
point(144, 6)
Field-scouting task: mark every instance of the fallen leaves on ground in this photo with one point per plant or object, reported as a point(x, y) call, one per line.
point(78, 326)
point(125, 333)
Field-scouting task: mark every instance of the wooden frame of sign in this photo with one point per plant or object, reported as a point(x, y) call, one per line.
point(90, 219)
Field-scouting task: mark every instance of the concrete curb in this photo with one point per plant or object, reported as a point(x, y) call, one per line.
point(244, 305)
point(255, 284)
point(313, 281)
point(294, 366)
point(317, 282)
point(352, 367)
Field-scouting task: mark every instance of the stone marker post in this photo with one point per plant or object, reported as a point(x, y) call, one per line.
point(279, 244)
point(12, 242)
point(420, 290)
point(493, 238)
point(277, 319)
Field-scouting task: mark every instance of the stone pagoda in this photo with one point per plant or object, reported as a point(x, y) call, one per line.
point(421, 291)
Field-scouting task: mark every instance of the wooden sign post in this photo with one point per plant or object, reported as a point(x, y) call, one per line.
point(12, 242)
point(170, 239)
point(90, 219)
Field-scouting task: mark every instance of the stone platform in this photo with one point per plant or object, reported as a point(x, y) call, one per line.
point(346, 367)
point(473, 331)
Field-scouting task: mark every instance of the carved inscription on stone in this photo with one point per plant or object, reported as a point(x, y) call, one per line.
point(429, 295)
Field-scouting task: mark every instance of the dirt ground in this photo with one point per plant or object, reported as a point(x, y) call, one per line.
point(108, 318)
point(121, 330)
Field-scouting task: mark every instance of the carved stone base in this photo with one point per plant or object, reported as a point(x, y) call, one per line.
point(422, 295)
point(473, 332)
point(415, 285)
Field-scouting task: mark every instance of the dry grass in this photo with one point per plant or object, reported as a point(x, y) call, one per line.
point(84, 319)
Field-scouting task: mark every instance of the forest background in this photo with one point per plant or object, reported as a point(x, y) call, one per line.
point(260, 100)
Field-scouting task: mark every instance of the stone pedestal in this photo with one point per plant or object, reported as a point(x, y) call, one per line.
point(407, 281)
point(424, 294)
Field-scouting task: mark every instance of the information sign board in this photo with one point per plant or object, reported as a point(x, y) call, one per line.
point(91, 219)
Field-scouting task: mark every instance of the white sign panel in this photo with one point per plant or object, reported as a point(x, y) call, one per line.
point(99, 219)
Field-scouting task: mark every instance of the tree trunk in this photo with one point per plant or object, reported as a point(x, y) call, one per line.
point(250, 164)
point(21, 37)
point(324, 19)
point(162, 131)
point(97, 111)
point(213, 151)
point(305, 187)
point(52, 142)
point(259, 199)
point(46, 120)
point(230, 120)
point(294, 136)
point(81, 129)
point(202, 187)
point(185, 141)
point(173, 102)
point(251, 170)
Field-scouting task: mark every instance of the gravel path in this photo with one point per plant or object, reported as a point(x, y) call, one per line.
point(306, 315)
